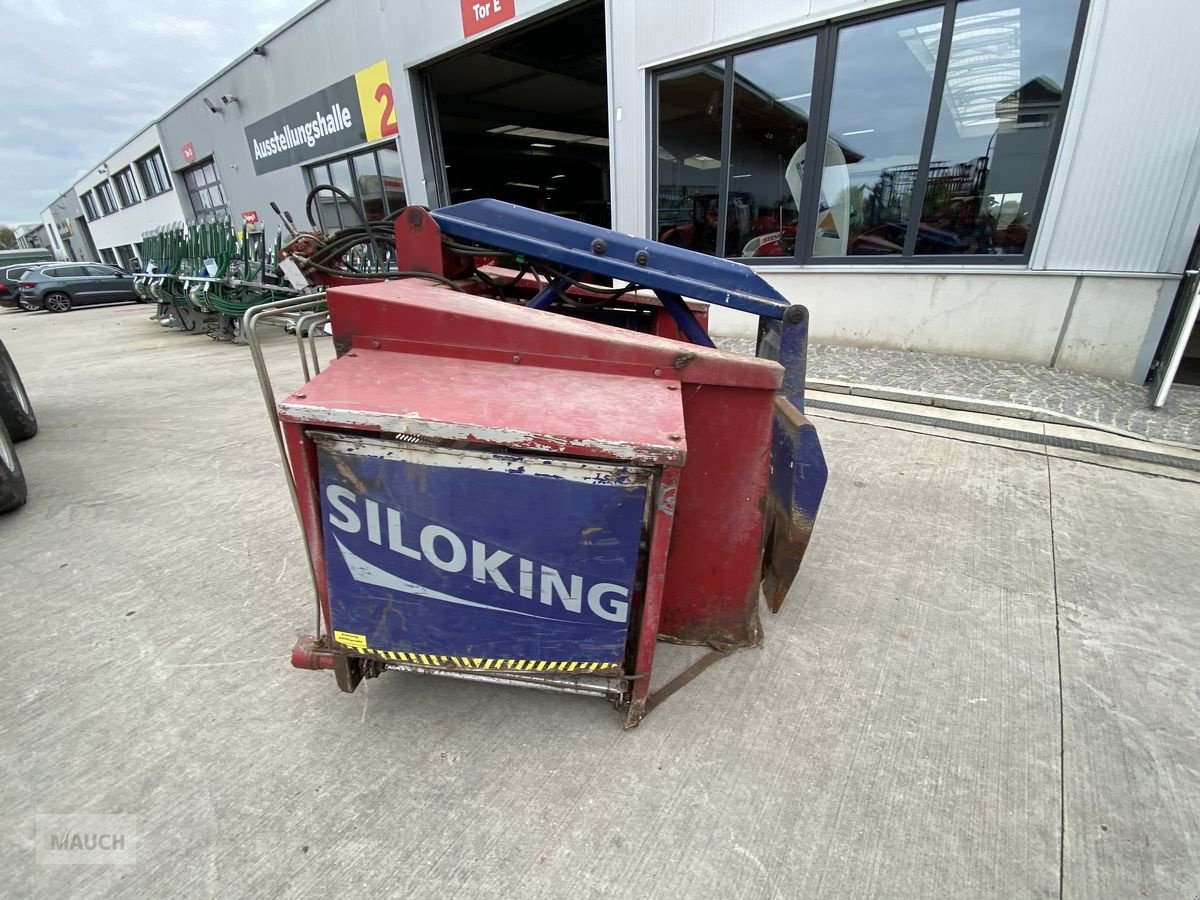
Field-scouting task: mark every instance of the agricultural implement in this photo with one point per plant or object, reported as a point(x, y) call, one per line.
point(528, 460)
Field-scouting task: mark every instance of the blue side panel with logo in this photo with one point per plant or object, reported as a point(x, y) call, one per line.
point(458, 553)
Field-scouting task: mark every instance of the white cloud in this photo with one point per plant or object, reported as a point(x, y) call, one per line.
point(93, 74)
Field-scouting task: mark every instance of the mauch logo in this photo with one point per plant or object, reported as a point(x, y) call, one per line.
point(555, 596)
point(85, 839)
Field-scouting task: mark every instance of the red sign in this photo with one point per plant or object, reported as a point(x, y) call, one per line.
point(250, 218)
point(480, 15)
point(189, 153)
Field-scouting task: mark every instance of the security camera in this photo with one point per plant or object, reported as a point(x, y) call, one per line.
point(228, 98)
point(212, 108)
point(259, 51)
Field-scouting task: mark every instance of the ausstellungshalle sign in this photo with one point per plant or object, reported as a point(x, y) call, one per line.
point(337, 117)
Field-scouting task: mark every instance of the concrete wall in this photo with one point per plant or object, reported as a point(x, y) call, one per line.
point(1084, 323)
point(127, 225)
point(67, 212)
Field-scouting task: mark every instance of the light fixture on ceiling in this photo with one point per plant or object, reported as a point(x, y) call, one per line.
point(860, 131)
point(558, 176)
point(795, 97)
point(543, 146)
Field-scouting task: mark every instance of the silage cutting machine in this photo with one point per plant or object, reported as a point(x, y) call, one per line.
point(528, 461)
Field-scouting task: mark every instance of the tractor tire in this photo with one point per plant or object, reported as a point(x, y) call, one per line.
point(13, 491)
point(16, 413)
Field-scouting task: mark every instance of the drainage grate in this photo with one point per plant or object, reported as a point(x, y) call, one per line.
point(1011, 434)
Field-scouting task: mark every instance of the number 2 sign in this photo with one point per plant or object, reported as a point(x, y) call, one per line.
point(375, 100)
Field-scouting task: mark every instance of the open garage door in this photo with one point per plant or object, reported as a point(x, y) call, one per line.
point(525, 118)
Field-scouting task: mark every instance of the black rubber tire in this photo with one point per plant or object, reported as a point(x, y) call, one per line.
point(28, 305)
point(56, 305)
point(16, 412)
point(13, 491)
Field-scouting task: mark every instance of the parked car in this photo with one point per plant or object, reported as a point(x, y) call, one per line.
point(61, 287)
point(10, 278)
point(17, 423)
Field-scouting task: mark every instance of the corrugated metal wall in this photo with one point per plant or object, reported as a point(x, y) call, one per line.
point(1125, 184)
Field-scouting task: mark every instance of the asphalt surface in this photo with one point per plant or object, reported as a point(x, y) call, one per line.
point(984, 682)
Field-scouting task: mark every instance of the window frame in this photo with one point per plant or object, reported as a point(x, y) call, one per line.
point(90, 209)
point(145, 164)
point(372, 151)
point(106, 197)
point(123, 179)
point(827, 33)
point(195, 188)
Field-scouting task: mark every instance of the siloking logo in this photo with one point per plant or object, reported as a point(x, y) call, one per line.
point(442, 549)
point(478, 555)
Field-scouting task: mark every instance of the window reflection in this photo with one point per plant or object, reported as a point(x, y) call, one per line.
point(1003, 93)
point(882, 81)
point(690, 106)
point(772, 96)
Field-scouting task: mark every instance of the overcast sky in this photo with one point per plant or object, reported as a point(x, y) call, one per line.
point(83, 77)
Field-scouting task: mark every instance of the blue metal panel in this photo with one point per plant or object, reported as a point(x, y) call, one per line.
point(466, 554)
point(578, 246)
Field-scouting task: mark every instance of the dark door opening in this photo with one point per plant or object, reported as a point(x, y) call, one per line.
point(525, 119)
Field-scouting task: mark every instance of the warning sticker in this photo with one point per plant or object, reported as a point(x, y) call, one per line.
point(350, 639)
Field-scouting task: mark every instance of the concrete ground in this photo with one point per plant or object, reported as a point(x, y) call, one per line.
point(984, 683)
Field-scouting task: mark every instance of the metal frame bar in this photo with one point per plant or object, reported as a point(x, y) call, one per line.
point(916, 202)
point(250, 321)
point(725, 171)
point(818, 134)
point(546, 683)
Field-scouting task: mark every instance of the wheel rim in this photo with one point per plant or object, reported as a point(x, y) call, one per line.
point(18, 389)
point(57, 303)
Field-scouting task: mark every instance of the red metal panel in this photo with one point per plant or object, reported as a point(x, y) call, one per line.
point(593, 414)
point(303, 459)
point(713, 573)
point(429, 313)
point(652, 604)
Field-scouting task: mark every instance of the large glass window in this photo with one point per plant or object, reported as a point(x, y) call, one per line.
point(127, 187)
point(371, 177)
point(881, 87)
point(879, 137)
point(1002, 96)
point(108, 200)
point(772, 97)
point(155, 177)
point(690, 110)
point(205, 191)
point(89, 206)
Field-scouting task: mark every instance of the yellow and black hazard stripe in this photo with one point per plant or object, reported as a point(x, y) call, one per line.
point(358, 644)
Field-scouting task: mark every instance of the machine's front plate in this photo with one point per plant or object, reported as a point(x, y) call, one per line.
point(463, 559)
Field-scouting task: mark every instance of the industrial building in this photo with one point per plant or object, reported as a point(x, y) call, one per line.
point(992, 178)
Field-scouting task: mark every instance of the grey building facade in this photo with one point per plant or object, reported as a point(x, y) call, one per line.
point(978, 177)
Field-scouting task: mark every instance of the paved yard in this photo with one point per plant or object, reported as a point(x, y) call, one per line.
point(984, 683)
